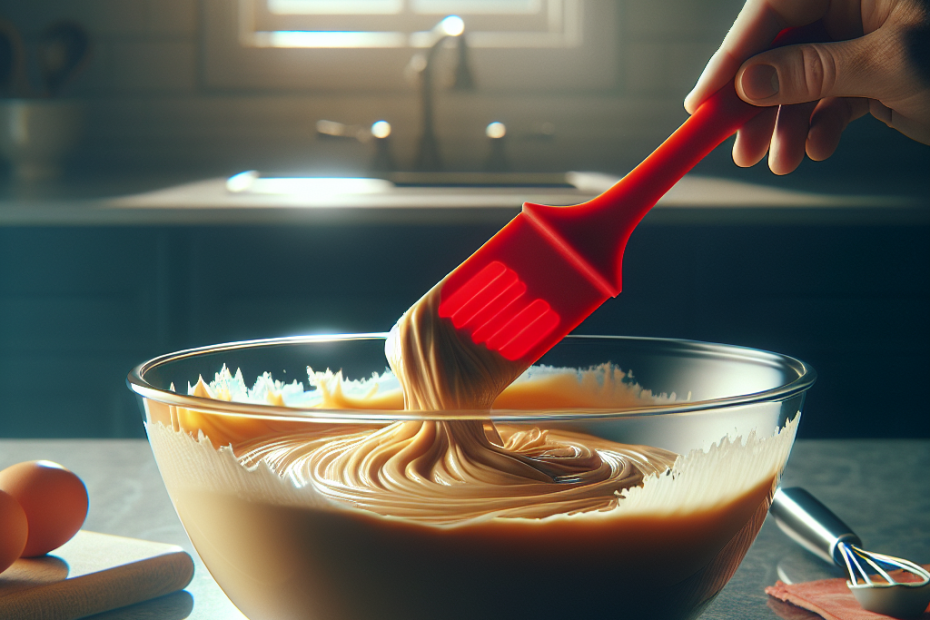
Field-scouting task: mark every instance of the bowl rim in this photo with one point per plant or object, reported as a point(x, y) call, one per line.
point(806, 376)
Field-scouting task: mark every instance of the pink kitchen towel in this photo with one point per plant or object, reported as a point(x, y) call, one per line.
point(829, 598)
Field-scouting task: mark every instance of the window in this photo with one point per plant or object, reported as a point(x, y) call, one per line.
point(406, 23)
point(364, 45)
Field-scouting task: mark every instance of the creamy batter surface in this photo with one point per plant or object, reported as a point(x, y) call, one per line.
point(440, 471)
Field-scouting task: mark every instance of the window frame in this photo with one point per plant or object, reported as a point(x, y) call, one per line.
point(575, 49)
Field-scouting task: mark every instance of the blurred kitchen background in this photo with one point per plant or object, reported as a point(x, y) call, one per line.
point(127, 229)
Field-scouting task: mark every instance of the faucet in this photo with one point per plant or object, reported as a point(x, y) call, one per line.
point(450, 27)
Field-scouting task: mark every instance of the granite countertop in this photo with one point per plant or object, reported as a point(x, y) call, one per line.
point(878, 487)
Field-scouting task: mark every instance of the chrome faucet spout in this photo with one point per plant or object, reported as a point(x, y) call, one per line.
point(428, 157)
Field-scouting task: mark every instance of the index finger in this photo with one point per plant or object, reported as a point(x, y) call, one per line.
point(756, 26)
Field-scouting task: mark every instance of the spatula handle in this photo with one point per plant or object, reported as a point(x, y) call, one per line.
point(597, 231)
point(715, 120)
point(718, 118)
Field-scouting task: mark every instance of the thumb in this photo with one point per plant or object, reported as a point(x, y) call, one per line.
point(813, 71)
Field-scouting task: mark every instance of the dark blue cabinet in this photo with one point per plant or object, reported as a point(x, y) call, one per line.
point(79, 306)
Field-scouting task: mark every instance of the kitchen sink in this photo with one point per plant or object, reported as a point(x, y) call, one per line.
point(253, 182)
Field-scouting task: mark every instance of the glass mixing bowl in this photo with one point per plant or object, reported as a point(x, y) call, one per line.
point(282, 545)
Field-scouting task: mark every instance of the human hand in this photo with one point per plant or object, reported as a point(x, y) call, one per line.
point(877, 63)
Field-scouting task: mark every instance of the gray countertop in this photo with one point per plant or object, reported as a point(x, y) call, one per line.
point(695, 199)
point(879, 487)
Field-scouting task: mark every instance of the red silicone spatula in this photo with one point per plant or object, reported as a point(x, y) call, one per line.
point(551, 267)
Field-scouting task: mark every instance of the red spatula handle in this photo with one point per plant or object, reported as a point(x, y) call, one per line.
point(596, 232)
point(551, 267)
point(717, 119)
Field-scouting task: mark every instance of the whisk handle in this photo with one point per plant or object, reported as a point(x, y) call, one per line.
point(811, 524)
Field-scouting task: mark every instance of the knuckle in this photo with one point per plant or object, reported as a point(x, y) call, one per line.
point(819, 73)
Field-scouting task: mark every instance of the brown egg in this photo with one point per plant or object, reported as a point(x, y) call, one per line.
point(54, 500)
point(13, 530)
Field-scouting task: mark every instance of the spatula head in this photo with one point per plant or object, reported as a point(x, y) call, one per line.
point(519, 294)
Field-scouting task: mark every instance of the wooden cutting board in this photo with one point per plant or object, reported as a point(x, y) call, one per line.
point(90, 574)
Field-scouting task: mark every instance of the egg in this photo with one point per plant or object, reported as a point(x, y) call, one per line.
point(13, 530)
point(54, 500)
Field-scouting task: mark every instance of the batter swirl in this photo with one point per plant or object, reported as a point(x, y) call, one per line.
point(445, 472)
point(457, 470)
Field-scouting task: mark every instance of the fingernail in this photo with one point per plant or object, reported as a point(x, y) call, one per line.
point(760, 82)
point(688, 102)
